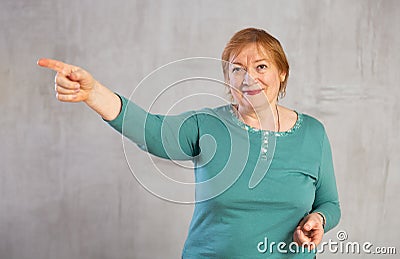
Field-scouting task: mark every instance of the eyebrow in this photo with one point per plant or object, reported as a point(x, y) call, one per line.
point(258, 60)
point(237, 63)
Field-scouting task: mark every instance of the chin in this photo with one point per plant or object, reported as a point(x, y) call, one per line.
point(255, 102)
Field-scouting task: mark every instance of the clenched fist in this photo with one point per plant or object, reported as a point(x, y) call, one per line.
point(310, 231)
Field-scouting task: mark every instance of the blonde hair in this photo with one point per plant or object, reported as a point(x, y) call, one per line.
point(265, 42)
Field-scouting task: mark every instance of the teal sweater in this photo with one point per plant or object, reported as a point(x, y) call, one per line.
point(252, 186)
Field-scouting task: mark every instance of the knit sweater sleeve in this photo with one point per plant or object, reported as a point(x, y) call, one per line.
point(326, 196)
point(171, 137)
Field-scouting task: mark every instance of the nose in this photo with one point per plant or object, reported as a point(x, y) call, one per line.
point(249, 78)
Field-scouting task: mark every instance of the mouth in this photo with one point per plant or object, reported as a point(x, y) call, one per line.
point(252, 92)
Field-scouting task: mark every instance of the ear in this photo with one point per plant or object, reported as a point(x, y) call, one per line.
point(282, 76)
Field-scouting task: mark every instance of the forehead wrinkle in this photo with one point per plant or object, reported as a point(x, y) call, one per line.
point(252, 54)
point(249, 59)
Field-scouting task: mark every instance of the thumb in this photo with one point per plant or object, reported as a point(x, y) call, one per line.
point(309, 224)
point(78, 75)
point(75, 76)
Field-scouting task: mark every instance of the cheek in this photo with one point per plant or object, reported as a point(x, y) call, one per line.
point(271, 81)
point(235, 82)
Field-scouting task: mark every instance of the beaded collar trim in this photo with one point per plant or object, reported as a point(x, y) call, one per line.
point(248, 128)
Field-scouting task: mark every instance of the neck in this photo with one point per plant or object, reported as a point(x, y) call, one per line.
point(266, 118)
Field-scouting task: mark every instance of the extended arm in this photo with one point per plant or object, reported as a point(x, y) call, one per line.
point(171, 137)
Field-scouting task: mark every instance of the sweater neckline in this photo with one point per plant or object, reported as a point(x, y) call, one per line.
point(251, 129)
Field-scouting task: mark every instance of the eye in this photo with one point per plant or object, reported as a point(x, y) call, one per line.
point(262, 67)
point(237, 69)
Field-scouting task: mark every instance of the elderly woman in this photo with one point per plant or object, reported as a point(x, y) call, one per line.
point(266, 186)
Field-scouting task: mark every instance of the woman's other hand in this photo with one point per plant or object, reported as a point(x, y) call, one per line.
point(310, 231)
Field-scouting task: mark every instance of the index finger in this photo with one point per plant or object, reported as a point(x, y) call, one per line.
point(55, 65)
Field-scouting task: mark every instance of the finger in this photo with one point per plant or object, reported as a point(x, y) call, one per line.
point(302, 238)
point(66, 97)
point(296, 237)
point(64, 82)
point(55, 65)
point(62, 90)
point(317, 236)
point(299, 241)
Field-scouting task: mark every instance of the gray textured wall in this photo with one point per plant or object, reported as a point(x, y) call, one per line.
point(65, 188)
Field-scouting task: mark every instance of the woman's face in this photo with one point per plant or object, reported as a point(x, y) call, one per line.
point(254, 78)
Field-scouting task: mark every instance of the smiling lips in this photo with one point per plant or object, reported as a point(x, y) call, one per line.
point(252, 92)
